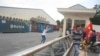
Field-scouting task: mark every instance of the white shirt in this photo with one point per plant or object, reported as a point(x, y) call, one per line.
point(67, 32)
point(44, 32)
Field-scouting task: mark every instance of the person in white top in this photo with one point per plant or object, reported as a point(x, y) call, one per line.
point(44, 34)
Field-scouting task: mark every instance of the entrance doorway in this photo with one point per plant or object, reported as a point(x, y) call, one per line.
point(69, 23)
point(80, 22)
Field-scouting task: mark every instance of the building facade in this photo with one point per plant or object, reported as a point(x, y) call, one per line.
point(76, 15)
point(26, 13)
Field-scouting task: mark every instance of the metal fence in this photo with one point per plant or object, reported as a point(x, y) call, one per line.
point(59, 46)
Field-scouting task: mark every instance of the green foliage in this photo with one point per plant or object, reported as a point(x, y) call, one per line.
point(58, 22)
point(97, 7)
point(96, 18)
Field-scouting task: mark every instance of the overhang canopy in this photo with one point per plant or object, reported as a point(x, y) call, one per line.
point(77, 9)
point(39, 21)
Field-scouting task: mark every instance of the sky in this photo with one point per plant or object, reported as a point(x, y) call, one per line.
point(49, 6)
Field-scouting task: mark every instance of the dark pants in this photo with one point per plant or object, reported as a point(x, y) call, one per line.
point(92, 40)
point(43, 39)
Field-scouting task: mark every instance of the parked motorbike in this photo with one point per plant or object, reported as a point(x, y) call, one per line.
point(95, 47)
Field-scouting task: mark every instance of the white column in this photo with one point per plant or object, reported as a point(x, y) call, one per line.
point(87, 22)
point(72, 23)
point(64, 27)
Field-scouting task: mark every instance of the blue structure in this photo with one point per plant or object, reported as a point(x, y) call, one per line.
point(26, 27)
point(41, 25)
point(50, 28)
point(13, 26)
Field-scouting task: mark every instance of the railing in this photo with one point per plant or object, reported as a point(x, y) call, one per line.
point(63, 42)
point(69, 52)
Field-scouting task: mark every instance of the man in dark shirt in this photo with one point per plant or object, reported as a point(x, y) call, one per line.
point(77, 37)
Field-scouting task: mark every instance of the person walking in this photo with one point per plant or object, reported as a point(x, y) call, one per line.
point(77, 37)
point(44, 34)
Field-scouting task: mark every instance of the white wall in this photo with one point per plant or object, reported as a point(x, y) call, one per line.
point(96, 27)
point(79, 16)
point(25, 13)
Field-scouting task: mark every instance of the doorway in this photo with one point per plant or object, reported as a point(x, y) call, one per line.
point(80, 22)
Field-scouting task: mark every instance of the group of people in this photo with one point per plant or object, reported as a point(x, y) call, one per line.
point(79, 35)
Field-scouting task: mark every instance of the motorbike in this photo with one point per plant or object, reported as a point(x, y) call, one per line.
point(95, 47)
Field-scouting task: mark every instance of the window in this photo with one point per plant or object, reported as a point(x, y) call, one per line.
point(79, 22)
point(69, 23)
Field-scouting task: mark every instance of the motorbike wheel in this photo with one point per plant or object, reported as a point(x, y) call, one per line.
point(97, 49)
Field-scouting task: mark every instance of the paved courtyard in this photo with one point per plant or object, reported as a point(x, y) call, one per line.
point(11, 43)
point(14, 42)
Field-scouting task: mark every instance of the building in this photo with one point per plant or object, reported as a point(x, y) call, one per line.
point(26, 13)
point(76, 15)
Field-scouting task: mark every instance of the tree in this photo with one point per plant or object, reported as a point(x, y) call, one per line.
point(96, 18)
point(58, 22)
point(97, 7)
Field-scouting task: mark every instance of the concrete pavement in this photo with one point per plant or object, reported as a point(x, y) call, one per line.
point(14, 42)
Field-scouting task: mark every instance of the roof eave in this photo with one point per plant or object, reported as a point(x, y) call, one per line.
point(65, 10)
